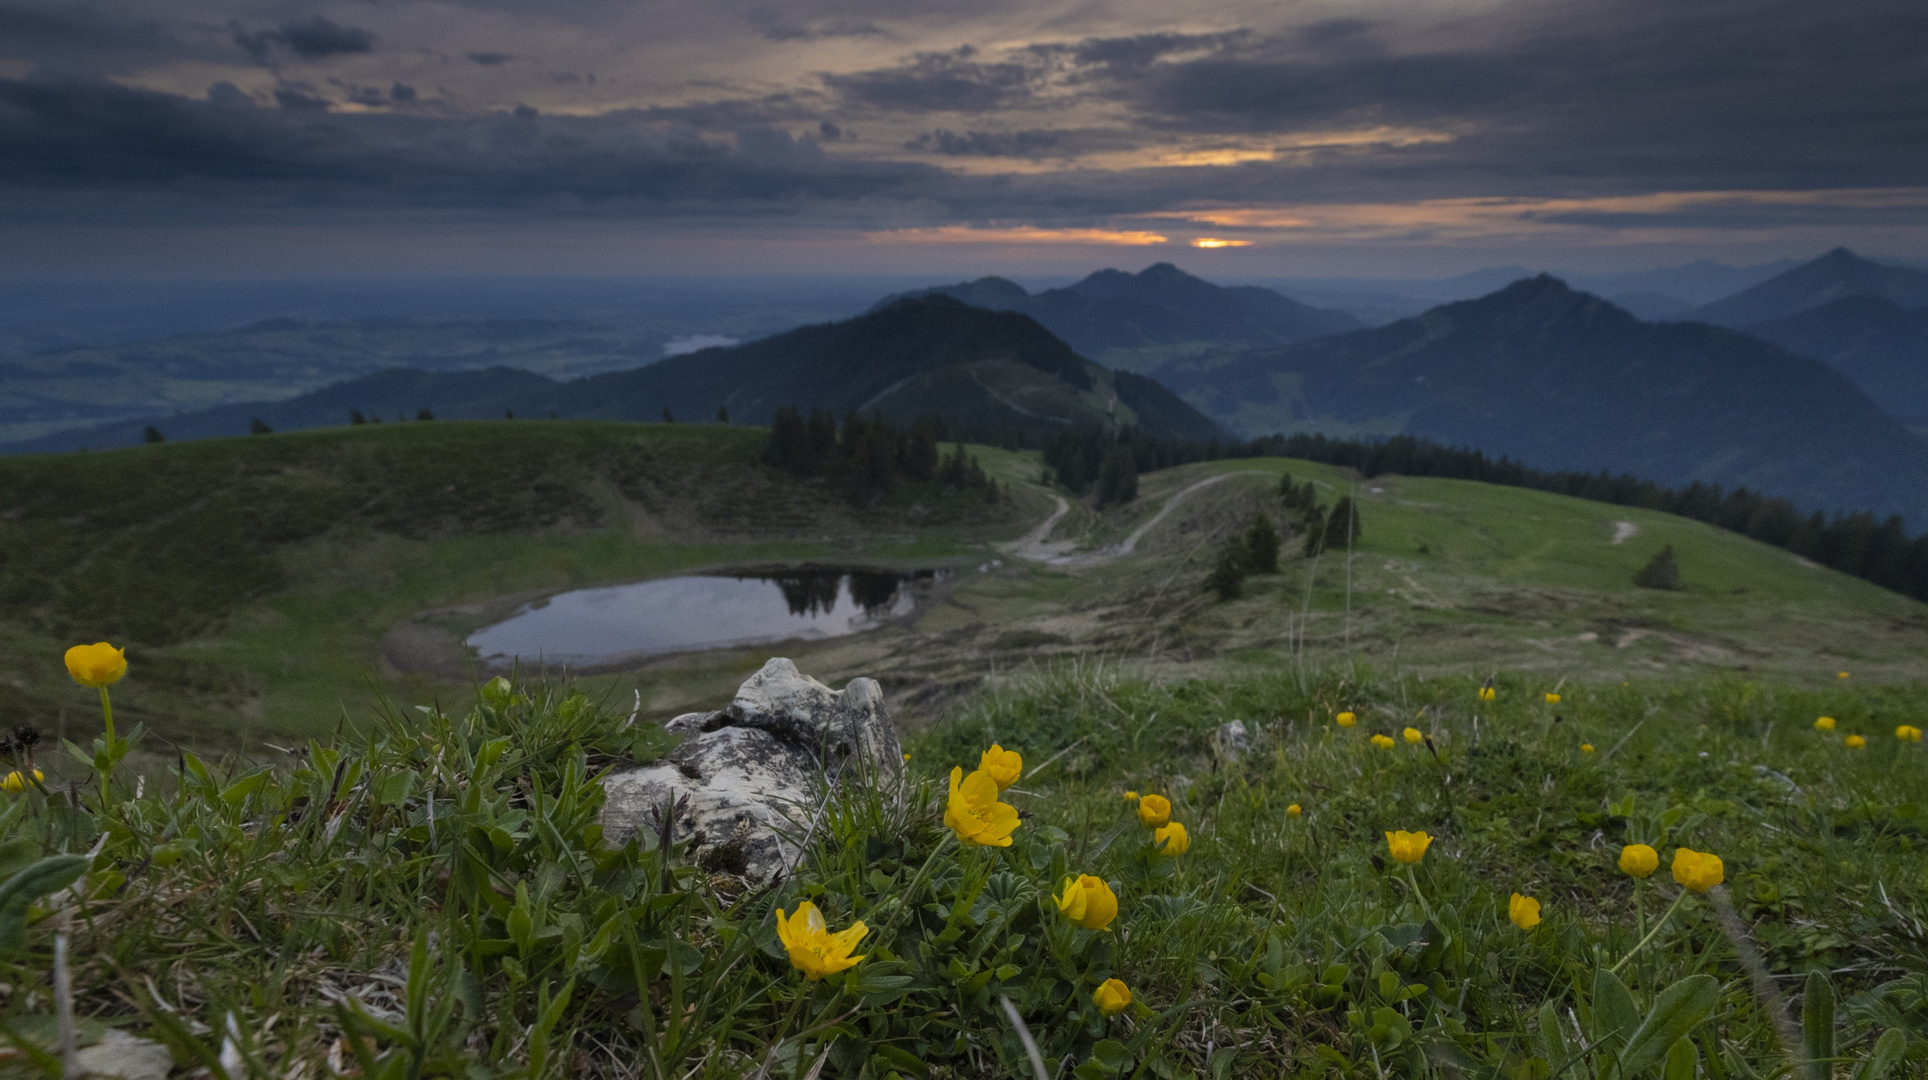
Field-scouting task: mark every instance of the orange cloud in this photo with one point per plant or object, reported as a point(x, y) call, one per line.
point(1215, 242)
point(1022, 234)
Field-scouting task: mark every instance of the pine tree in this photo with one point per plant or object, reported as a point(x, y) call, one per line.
point(1342, 528)
point(355, 417)
point(258, 426)
point(153, 435)
point(1661, 572)
point(423, 413)
point(668, 417)
point(722, 414)
point(1261, 546)
point(1227, 578)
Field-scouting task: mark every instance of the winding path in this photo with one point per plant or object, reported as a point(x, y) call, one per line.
point(1035, 547)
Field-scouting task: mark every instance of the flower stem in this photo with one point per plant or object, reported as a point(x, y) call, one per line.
point(107, 710)
point(1413, 880)
point(910, 891)
point(1650, 934)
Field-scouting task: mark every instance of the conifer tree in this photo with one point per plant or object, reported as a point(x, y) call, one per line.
point(1342, 527)
point(1261, 545)
point(1661, 571)
point(1227, 578)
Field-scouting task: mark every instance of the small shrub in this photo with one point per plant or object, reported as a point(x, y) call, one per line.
point(1661, 571)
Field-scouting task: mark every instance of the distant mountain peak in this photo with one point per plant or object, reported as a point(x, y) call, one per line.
point(1819, 281)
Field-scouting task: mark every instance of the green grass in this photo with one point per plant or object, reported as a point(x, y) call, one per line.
point(1277, 945)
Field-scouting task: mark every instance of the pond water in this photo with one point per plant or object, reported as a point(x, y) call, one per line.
point(682, 614)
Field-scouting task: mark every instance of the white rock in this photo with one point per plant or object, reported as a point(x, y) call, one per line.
point(747, 779)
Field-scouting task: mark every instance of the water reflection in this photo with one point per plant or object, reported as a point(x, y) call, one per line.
point(679, 614)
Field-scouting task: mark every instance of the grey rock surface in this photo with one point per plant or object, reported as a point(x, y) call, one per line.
point(748, 778)
point(1232, 738)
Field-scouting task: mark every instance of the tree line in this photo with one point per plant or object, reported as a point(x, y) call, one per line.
point(868, 455)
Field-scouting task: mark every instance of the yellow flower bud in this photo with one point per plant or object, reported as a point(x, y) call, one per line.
point(1154, 810)
point(1487, 693)
point(1346, 719)
point(1639, 860)
point(1552, 698)
point(1172, 839)
point(1414, 736)
point(1586, 748)
point(1524, 911)
point(1825, 723)
point(1408, 847)
point(1698, 870)
point(1908, 733)
point(1855, 742)
point(1131, 796)
point(974, 813)
point(16, 782)
point(1840, 674)
point(1112, 997)
point(1088, 901)
point(1001, 765)
point(96, 665)
point(1293, 810)
point(1383, 742)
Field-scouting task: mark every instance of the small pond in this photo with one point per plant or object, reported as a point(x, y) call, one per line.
point(701, 611)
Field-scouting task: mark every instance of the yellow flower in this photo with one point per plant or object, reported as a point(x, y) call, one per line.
point(1088, 901)
point(1131, 796)
point(1172, 839)
point(813, 949)
point(1908, 733)
point(1524, 911)
point(974, 813)
point(15, 782)
point(1383, 742)
point(1840, 674)
point(1112, 997)
point(1586, 748)
point(1293, 810)
point(1552, 698)
point(1001, 765)
point(1698, 870)
point(1408, 847)
point(1825, 723)
point(1414, 735)
point(1154, 810)
point(1487, 693)
point(1346, 719)
point(1639, 860)
point(1855, 742)
point(97, 664)
point(907, 755)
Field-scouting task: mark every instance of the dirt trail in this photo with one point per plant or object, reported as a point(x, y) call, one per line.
point(1035, 547)
point(1624, 531)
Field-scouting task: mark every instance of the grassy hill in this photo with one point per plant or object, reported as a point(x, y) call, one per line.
point(270, 583)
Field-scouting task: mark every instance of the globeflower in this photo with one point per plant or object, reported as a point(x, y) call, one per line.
point(1639, 860)
point(813, 949)
point(1840, 674)
point(1855, 742)
point(1131, 796)
point(1172, 839)
point(1552, 698)
point(1698, 870)
point(1586, 748)
point(1908, 733)
point(1414, 735)
point(1294, 810)
point(974, 813)
point(1001, 765)
point(96, 665)
point(1825, 723)
point(1088, 901)
point(1345, 719)
point(1154, 811)
point(13, 781)
point(1408, 847)
point(1112, 997)
point(1383, 742)
point(1487, 693)
point(1524, 911)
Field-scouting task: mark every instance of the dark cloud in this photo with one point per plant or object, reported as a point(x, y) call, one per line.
point(1034, 144)
point(955, 81)
point(297, 97)
point(490, 59)
point(401, 92)
point(782, 25)
point(314, 39)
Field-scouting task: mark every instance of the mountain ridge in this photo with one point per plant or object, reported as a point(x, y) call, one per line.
point(1837, 274)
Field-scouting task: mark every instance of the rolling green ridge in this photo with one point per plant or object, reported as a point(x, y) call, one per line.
point(270, 583)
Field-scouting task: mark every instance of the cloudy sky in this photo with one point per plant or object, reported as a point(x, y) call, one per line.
point(1289, 137)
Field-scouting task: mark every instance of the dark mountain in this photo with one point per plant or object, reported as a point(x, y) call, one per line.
point(1840, 273)
point(1143, 321)
point(1564, 380)
point(918, 357)
point(1882, 347)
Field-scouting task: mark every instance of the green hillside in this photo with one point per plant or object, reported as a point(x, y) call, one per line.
point(270, 584)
